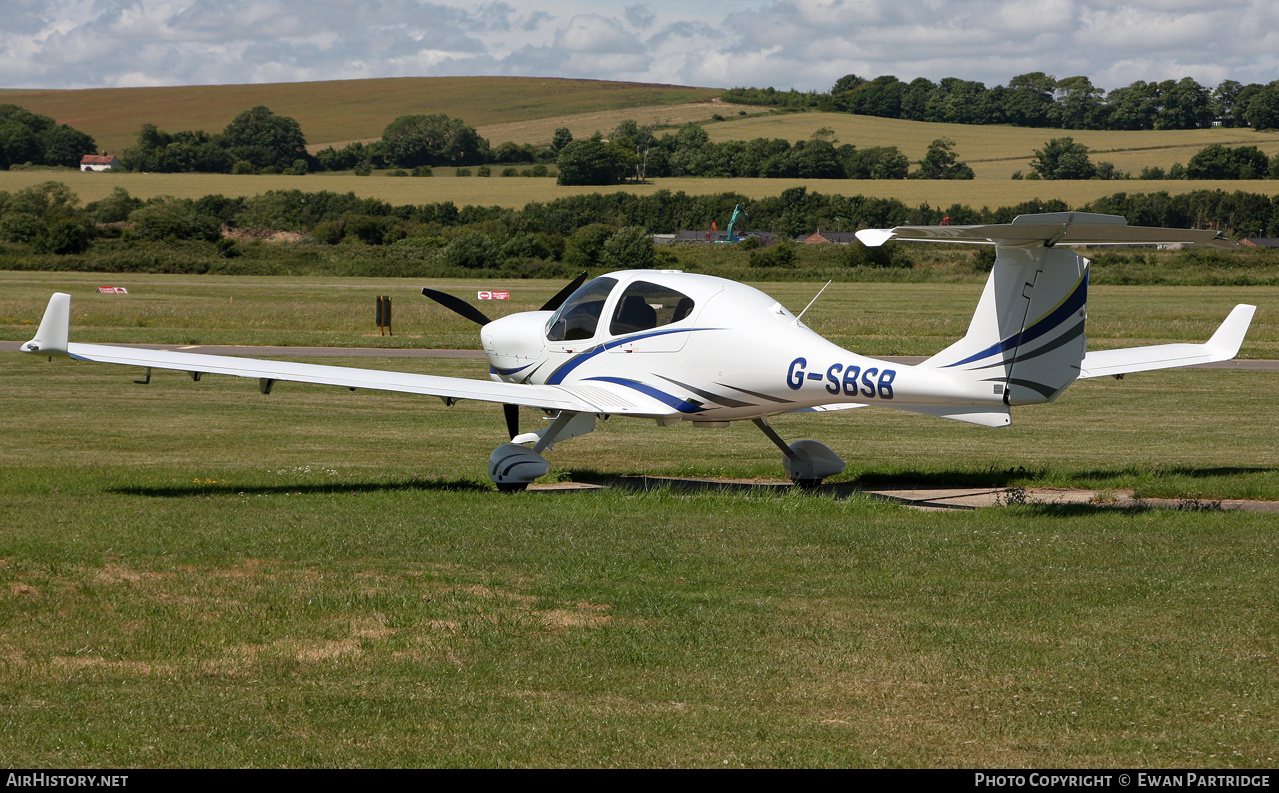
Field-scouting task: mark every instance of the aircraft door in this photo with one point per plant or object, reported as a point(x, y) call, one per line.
point(651, 318)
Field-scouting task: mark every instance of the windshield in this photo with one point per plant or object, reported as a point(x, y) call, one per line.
point(580, 314)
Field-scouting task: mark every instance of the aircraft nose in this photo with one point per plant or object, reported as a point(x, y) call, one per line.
point(514, 341)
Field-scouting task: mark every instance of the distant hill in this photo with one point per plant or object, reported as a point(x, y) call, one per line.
point(343, 110)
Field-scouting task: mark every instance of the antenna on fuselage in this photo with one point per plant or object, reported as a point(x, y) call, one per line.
point(814, 300)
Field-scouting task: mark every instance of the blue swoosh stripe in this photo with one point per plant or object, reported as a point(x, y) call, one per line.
point(1046, 325)
point(682, 405)
point(568, 366)
point(496, 370)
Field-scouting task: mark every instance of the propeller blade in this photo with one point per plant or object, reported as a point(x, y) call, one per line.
point(563, 294)
point(458, 306)
point(512, 413)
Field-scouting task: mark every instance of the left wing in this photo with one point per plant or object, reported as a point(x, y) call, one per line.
point(51, 339)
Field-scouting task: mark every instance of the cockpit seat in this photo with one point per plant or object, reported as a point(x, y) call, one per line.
point(635, 314)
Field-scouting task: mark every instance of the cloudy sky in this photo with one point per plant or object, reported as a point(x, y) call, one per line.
point(804, 44)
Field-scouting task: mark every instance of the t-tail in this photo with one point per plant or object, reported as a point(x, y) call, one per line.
point(1026, 337)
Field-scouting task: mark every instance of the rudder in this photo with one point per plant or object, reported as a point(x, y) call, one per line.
point(1026, 336)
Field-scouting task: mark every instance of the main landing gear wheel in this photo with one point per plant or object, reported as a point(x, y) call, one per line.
point(810, 462)
point(807, 463)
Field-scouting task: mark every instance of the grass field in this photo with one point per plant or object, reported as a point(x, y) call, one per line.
point(517, 192)
point(199, 575)
point(995, 152)
point(343, 110)
point(869, 318)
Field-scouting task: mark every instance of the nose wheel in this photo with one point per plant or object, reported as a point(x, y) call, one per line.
point(514, 467)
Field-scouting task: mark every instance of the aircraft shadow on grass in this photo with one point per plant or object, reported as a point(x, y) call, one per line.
point(977, 480)
point(1027, 476)
point(325, 488)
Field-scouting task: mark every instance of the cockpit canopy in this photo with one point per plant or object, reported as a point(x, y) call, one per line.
point(641, 306)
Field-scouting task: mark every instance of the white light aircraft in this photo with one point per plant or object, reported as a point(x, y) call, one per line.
point(674, 347)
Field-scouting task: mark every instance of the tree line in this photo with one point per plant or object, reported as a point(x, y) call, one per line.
point(1064, 158)
point(1036, 99)
point(48, 218)
point(634, 153)
point(261, 141)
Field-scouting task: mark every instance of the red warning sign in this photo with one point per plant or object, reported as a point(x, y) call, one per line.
point(113, 290)
point(489, 295)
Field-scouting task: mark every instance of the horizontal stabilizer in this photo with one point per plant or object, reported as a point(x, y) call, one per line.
point(831, 408)
point(1050, 228)
point(984, 416)
point(1223, 346)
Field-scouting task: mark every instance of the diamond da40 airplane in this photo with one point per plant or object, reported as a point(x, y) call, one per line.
point(673, 347)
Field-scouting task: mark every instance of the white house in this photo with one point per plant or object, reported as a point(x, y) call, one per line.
point(99, 162)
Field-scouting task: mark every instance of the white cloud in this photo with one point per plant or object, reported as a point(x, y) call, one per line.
point(805, 44)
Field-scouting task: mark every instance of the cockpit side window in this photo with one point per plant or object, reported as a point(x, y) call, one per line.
point(644, 306)
point(580, 314)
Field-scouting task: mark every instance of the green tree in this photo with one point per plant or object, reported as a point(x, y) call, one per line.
point(265, 139)
point(115, 208)
point(561, 138)
point(470, 250)
point(1262, 111)
point(170, 218)
point(1185, 105)
point(585, 245)
point(1221, 162)
point(591, 162)
point(875, 162)
point(880, 97)
point(629, 248)
point(30, 137)
point(849, 82)
point(1062, 158)
point(410, 141)
point(1080, 104)
point(941, 162)
point(1028, 101)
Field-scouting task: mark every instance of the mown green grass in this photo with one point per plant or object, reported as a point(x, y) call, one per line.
point(868, 318)
point(194, 574)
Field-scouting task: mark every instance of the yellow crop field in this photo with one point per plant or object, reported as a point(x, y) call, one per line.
point(994, 152)
point(539, 131)
point(342, 110)
point(516, 192)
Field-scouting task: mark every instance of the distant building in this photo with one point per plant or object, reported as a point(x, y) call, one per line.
point(714, 235)
point(99, 162)
point(835, 237)
point(1260, 242)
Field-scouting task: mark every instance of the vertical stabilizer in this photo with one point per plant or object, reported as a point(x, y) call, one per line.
point(1027, 334)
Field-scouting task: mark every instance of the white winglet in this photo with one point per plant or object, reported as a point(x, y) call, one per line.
point(873, 238)
point(51, 338)
point(1229, 337)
